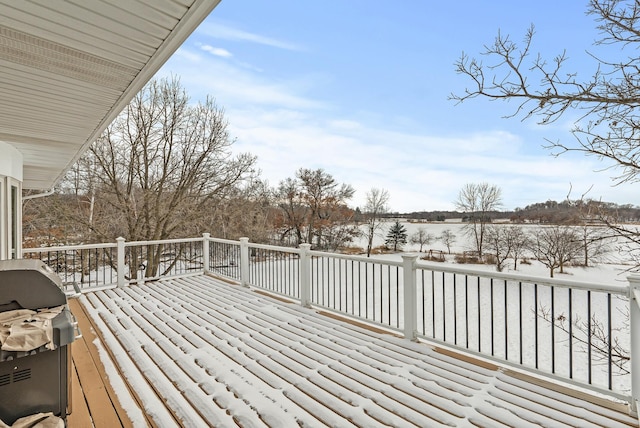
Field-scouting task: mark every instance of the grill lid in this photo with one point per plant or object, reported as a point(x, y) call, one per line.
point(29, 284)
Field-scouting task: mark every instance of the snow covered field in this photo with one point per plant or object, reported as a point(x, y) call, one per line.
point(611, 269)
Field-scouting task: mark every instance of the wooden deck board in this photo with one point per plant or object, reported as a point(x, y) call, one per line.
point(95, 402)
point(79, 416)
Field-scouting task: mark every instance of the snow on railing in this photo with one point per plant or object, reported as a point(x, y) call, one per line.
point(584, 334)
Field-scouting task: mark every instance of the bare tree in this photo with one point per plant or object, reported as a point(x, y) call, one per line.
point(315, 209)
point(555, 246)
point(323, 196)
point(421, 237)
point(593, 237)
point(51, 221)
point(477, 201)
point(591, 335)
point(607, 98)
point(158, 165)
point(246, 211)
point(498, 245)
point(505, 242)
point(448, 238)
point(520, 241)
point(293, 211)
point(375, 207)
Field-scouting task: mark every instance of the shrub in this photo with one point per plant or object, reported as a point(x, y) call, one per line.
point(490, 259)
point(466, 257)
point(352, 250)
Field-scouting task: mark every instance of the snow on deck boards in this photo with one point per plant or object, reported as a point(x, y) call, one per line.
point(221, 355)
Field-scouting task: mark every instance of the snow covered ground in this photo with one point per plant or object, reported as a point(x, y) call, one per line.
point(221, 355)
point(613, 268)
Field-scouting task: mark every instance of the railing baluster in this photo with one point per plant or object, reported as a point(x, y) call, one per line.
point(466, 310)
point(479, 318)
point(570, 334)
point(506, 324)
point(398, 296)
point(444, 309)
point(520, 320)
point(610, 373)
point(360, 289)
point(553, 332)
point(589, 332)
point(455, 311)
point(423, 304)
point(535, 301)
point(381, 295)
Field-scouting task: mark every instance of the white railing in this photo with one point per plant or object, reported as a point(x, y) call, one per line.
point(581, 333)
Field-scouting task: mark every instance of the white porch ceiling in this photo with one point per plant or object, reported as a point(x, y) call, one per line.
point(69, 67)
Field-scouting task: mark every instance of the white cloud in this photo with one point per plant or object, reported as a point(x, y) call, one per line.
point(421, 172)
point(216, 51)
point(221, 31)
point(235, 86)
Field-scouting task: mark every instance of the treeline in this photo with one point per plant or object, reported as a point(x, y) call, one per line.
point(572, 211)
point(549, 212)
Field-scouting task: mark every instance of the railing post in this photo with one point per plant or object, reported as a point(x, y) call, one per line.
point(305, 275)
point(634, 331)
point(120, 262)
point(244, 262)
point(205, 252)
point(409, 290)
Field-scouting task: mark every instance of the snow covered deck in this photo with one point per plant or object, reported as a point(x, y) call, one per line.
point(197, 351)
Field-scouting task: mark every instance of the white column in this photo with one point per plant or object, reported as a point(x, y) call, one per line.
point(120, 264)
point(305, 275)
point(409, 290)
point(205, 252)
point(244, 262)
point(11, 178)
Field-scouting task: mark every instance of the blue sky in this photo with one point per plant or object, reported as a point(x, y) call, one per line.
point(360, 89)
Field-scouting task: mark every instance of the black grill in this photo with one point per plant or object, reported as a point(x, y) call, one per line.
point(37, 380)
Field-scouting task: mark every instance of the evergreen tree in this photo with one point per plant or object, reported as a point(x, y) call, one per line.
point(397, 236)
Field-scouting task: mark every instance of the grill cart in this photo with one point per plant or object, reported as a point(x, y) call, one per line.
point(38, 379)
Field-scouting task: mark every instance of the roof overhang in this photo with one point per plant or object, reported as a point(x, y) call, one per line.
point(69, 68)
